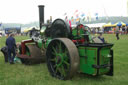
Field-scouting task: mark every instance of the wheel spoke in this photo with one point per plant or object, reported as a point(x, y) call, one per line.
point(65, 54)
point(63, 71)
point(57, 69)
point(55, 53)
point(66, 58)
point(54, 59)
point(59, 47)
point(65, 62)
point(65, 51)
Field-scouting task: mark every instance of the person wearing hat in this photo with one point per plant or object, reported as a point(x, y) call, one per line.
point(11, 45)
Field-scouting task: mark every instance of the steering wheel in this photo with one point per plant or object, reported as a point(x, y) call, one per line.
point(81, 30)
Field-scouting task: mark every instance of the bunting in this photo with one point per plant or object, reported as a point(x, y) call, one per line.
point(72, 19)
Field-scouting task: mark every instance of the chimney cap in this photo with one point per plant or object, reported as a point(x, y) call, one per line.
point(40, 5)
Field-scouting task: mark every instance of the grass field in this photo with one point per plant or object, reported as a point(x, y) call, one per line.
point(19, 74)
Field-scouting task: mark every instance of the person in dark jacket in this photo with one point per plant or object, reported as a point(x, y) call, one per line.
point(11, 44)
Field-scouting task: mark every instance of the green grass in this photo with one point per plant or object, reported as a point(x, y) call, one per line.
point(19, 74)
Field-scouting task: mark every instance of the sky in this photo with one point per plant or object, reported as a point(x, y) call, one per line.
point(26, 11)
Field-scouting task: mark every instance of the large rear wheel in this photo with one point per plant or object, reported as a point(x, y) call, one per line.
point(62, 58)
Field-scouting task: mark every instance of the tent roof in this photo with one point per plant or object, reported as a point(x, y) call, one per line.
point(95, 25)
point(120, 23)
point(109, 24)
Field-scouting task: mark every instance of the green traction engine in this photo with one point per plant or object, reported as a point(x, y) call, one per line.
point(67, 50)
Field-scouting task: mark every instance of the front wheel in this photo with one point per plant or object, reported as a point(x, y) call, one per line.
point(62, 58)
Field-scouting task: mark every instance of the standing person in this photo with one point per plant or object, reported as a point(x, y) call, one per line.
point(123, 30)
point(93, 30)
point(127, 30)
point(117, 32)
point(11, 44)
point(96, 30)
point(120, 30)
point(101, 38)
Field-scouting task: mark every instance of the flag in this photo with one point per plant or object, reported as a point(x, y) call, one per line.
point(72, 19)
point(70, 24)
point(96, 14)
point(84, 19)
point(66, 18)
point(77, 19)
point(75, 11)
point(77, 15)
point(0, 24)
point(82, 15)
point(89, 17)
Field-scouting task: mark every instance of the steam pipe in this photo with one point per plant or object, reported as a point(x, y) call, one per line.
point(41, 15)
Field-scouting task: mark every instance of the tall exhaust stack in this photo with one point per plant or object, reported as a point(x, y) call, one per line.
point(41, 15)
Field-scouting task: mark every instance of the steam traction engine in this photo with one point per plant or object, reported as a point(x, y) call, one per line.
point(67, 50)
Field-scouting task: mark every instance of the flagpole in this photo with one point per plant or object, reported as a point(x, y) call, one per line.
point(127, 7)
